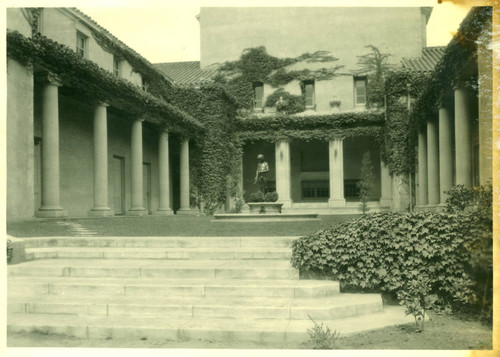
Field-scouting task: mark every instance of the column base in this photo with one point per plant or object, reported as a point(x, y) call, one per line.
point(50, 213)
point(163, 212)
point(137, 212)
point(101, 212)
point(286, 203)
point(188, 212)
point(336, 202)
point(385, 202)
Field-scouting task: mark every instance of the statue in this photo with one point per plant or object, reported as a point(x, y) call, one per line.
point(260, 175)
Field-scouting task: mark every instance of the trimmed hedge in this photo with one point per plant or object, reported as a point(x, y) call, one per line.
point(390, 251)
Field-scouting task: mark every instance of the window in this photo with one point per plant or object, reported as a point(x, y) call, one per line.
point(360, 91)
point(258, 95)
point(309, 94)
point(81, 45)
point(116, 68)
point(315, 190)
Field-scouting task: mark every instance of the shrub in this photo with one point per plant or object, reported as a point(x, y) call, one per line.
point(271, 197)
point(256, 197)
point(387, 251)
point(459, 197)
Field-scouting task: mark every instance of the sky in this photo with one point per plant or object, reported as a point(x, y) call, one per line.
point(171, 34)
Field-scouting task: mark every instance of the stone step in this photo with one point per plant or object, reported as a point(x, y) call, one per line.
point(339, 306)
point(151, 287)
point(158, 253)
point(161, 242)
point(135, 268)
point(271, 331)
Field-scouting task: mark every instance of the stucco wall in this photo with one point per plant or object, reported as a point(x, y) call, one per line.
point(291, 31)
point(62, 27)
point(20, 190)
point(16, 20)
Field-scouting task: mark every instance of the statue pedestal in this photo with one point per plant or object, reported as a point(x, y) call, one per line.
point(265, 207)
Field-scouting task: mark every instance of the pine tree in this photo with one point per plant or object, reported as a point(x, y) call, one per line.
point(365, 185)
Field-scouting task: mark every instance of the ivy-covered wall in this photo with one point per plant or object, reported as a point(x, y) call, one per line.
point(215, 155)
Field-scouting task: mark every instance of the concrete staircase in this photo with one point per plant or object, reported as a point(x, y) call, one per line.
point(180, 288)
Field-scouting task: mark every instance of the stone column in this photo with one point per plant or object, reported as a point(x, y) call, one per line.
point(184, 173)
point(463, 146)
point(445, 152)
point(164, 176)
point(136, 170)
point(385, 185)
point(101, 207)
point(432, 163)
point(51, 206)
point(283, 182)
point(422, 168)
point(336, 156)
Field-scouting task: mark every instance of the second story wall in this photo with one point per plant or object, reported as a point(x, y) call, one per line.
point(70, 28)
point(290, 31)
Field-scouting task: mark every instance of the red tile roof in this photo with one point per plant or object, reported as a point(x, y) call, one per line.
point(426, 63)
point(186, 73)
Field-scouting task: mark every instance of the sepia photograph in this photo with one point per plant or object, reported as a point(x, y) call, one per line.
point(231, 177)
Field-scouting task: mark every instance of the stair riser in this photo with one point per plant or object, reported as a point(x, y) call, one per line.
point(71, 289)
point(208, 273)
point(206, 255)
point(176, 311)
point(125, 333)
point(161, 243)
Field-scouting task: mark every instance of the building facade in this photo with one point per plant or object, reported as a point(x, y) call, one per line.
point(74, 147)
point(85, 137)
point(318, 175)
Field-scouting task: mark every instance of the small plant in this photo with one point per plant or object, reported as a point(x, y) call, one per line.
point(10, 251)
point(256, 197)
point(416, 296)
point(271, 197)
point(322, 338)
point(365, 185)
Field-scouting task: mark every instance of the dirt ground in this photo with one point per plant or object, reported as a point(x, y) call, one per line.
point(442, 332)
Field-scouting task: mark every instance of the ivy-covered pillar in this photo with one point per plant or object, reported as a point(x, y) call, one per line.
point(422, 168)
point(51, 206)
point(101, 207)
point(445, 152)
point(137, 208)
point(463, 146)
point(432, 162)
point(163, 176)
point(283, 181)
point(385, 185)
point(184, 173)
point(336, 157)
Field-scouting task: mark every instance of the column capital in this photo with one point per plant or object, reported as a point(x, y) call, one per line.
point(49, 78)
point(102, 103)
point(458, 84)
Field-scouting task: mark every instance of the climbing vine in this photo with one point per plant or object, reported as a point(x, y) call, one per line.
point(96, 83)
point(214, 150)
point(256, 65)
point(312, 127)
